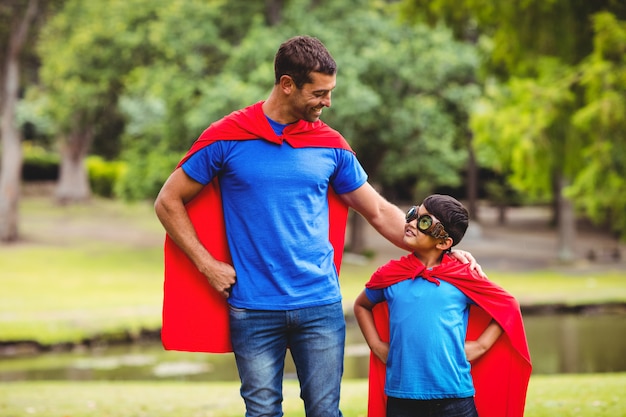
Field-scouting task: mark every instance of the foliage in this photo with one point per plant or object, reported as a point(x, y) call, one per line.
point(146, 170)
point(163, 70)
point(600, 186)
point(103, 175)
point(165, 99)
point(517, 128)
point(559, 115)
point(402, 96)
point(520, 31)
point(39, 163)
point(386, 69)
point(539, 122)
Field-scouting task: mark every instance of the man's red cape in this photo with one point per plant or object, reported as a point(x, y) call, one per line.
point(195, 316)
point(501, 375)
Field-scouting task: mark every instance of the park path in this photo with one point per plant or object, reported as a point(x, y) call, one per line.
point(525, 242)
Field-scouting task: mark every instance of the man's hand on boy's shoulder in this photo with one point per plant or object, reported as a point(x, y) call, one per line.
point(467, 258)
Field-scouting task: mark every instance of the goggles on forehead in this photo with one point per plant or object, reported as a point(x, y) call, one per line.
point(426, 223)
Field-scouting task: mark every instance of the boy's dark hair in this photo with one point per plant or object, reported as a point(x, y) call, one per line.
point(299, 56)
point(451, 213)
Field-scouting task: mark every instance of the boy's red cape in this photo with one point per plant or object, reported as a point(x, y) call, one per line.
point(195, 316)
point(501, 375)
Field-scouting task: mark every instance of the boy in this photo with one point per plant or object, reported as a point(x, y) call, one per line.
point(415, 316)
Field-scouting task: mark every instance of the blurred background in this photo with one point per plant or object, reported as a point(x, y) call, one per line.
point(516, 108)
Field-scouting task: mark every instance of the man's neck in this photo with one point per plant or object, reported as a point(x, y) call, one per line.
point(277, 110)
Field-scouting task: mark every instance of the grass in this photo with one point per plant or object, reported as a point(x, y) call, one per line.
point(529, 287)
point(65, 294)
point(86, 270)
point(56, 294)
point(548, 396)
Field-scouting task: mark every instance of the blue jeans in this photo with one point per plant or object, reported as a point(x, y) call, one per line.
point(445, 407)
point(316, 338)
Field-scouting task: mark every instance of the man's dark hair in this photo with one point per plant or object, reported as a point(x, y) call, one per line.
point(451, 213)
point(299, 56)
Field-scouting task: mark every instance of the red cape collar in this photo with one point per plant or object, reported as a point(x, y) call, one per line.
point(251, 123)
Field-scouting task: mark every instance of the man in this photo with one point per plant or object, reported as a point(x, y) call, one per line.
point(280, 180)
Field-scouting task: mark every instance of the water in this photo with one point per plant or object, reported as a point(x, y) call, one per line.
point(564, 343)
point(577, 344)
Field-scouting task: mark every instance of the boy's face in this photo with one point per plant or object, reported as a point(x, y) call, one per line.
point(422, 229)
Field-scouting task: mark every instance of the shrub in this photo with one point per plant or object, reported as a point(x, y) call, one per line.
point(146, 173)
point(103, 175)
point(39, 163)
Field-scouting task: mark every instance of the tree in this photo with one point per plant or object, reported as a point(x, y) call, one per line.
point(600, 186)
point(393, 102)
point(23, 14)
point(92, 52)
point(516, 128)
point(535, 45)
point(402, 89)
point(86, 50)
point(171, 67)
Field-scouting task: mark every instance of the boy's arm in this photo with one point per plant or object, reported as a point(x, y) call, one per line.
point(363, 313)
point(474, 349)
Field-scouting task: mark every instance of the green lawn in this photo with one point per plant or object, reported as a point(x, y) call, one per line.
point(56, 294)
point(85, 270)
point(591, 395)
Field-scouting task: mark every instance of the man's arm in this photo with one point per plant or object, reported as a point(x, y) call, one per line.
point(386, 218)
point(363, 313)
point(474, 349)
point(389, 220)
point(169, 206)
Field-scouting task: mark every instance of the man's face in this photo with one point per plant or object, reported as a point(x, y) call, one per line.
point(307, 102)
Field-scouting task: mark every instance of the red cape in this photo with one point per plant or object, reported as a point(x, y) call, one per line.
point(195, 316)
point(501, 375)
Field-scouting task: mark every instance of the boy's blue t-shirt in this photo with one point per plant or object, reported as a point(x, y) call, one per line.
point(427, 328)
point(275, 201)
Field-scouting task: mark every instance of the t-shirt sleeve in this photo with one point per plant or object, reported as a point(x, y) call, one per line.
point(375, 296)
point(349, 175)
point(203, 165)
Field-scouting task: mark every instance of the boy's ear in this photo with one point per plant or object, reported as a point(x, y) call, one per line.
point(445, 244)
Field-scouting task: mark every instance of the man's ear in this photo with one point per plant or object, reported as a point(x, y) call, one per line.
point(287, 84)
point(445, 244)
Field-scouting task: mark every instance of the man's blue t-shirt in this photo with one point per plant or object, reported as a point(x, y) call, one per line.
point(275, 201)
point(427, 328)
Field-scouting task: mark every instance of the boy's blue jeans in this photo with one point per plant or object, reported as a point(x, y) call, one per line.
point(316, 338)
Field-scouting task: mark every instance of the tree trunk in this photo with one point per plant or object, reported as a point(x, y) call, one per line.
point(357, 233)
point(566, 225)
point(10, 172)
point(273, 11)
point(11, 168)
point(73, 183)
point(472, 179)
